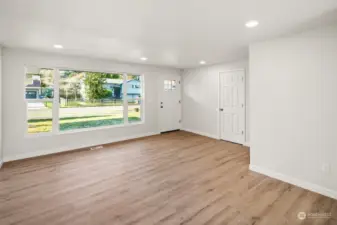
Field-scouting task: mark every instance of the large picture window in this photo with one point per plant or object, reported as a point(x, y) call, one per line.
point(84, 99)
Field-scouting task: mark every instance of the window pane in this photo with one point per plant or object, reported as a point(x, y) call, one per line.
point(39, 83)
point(39, 115)
point(173, 84)
point(166, 85)
point(134, 96)
point(90, 99)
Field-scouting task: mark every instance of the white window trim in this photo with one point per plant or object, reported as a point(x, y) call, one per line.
point(56, 105)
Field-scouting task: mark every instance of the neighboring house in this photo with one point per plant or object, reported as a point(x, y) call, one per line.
point(36, 89)
point(133, 89)
point(116, 87)
point(33, 88)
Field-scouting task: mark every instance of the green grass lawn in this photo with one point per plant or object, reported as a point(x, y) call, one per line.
point(72, 123)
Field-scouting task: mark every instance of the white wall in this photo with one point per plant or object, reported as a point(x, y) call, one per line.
point(200, 98)
point(294, 109)
point(16, 145)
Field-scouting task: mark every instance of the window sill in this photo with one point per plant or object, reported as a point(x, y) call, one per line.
point(49, 134)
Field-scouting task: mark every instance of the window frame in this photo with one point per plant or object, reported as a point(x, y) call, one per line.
point(56, 104)
point(26, 101)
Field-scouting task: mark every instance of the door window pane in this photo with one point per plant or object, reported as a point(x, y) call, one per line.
point(169, 85)
point(173, 84)
point(90, 99)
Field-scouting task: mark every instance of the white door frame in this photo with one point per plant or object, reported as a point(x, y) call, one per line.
point(245, 102)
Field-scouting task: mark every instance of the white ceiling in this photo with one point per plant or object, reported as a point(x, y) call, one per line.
point(175, 33)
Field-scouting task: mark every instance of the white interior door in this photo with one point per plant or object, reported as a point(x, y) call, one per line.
point(169, 103)
point(232, 106)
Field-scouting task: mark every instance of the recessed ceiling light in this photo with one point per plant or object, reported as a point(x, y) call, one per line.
point(143, 58)
point(252, 23)
point(58, 46)
point(202, 62)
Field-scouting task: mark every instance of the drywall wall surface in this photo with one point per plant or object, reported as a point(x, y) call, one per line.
point(293, 98)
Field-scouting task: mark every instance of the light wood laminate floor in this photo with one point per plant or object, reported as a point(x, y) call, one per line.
point(174, 178)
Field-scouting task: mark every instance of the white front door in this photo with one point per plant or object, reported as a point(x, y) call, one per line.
point(232, 106)
point(169, 103)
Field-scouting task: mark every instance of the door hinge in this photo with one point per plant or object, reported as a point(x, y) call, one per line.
point(242, 79)
point(179, 82)
point(179, 121)
point(179, 101)
point(242, 132)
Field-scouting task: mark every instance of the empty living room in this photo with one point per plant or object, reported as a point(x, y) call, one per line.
point(177, 112)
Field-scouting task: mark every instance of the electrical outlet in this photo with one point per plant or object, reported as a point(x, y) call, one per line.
point(326, 168)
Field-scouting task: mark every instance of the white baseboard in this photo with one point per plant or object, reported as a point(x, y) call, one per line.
point(1, 163)
point(247, 144)
point(291, 180)
point(201, 133)
point(25, 155)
